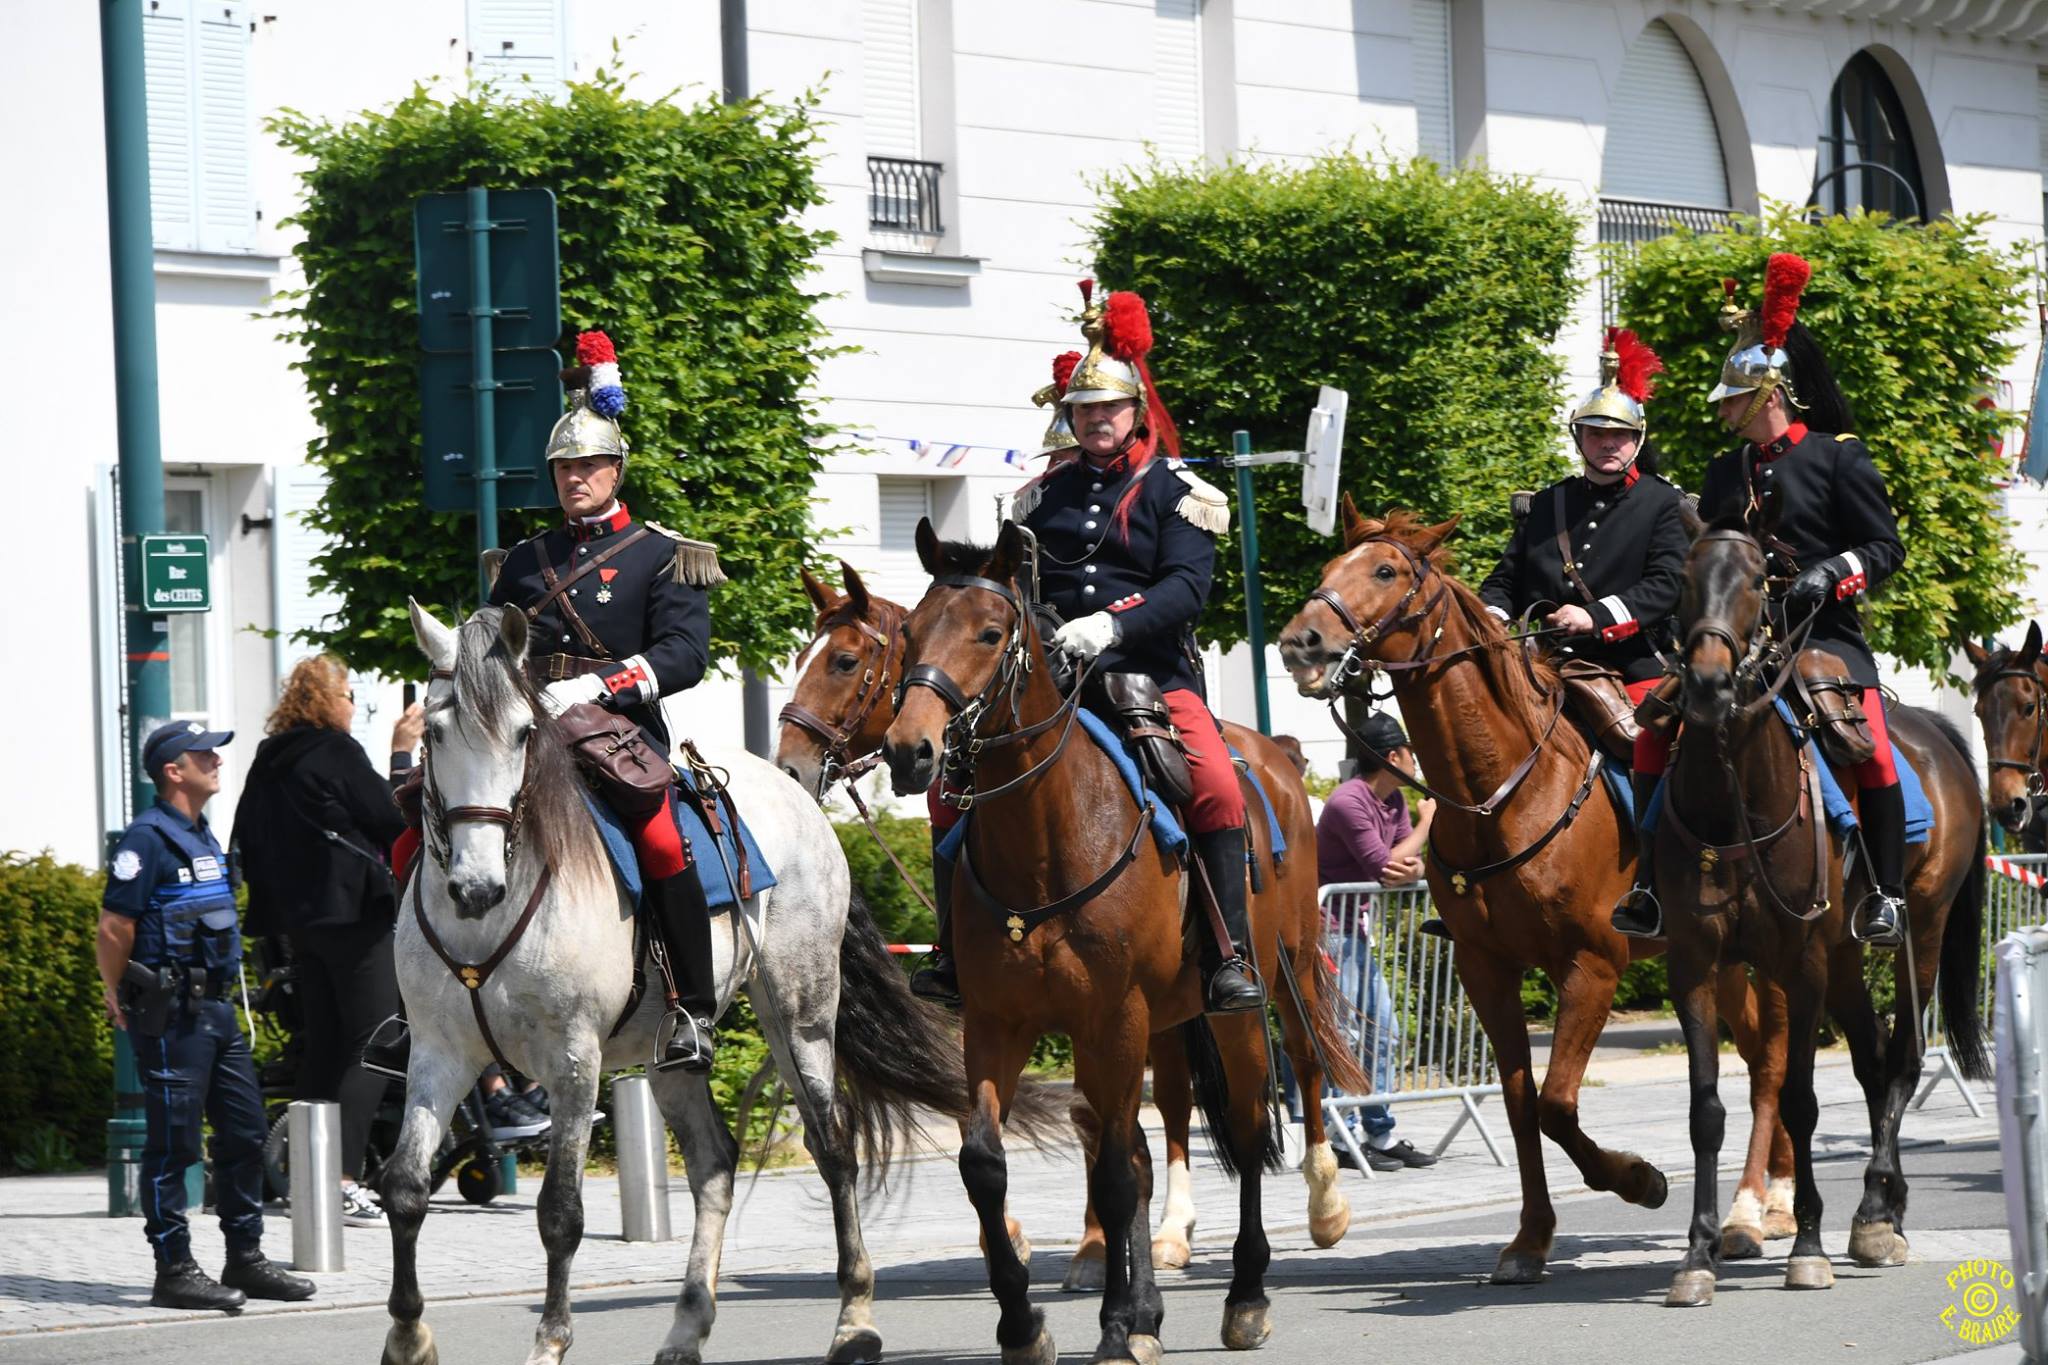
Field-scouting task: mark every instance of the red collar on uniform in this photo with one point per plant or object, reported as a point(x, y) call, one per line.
point(590, 528)
point(1794, 434)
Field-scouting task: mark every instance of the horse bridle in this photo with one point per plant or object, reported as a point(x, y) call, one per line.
point(2036, 785)
point(837, 736)
point(439, 816)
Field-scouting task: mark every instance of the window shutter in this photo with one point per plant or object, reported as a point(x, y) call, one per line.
point(227, 207)
point(1177, 79)
point(889, 102)
point(511, 39)
point(294, 545)
point(1662, 142)
point(2041, 98)
point(1429, 37)
point(899, 575)
point(167, 80)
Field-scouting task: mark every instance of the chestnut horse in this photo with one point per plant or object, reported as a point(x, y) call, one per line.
point(1749, 873)
point(1085, 937)
point(2012, 706)
point(844, 702)
point(1527, 857)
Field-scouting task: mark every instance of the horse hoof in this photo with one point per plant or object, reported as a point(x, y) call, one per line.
point(1330, 1229)
point(1146, 1350)
point(1809, 1272)
point(1741, 1243)
point(1246, 1326)
point(1040, 1352)
point(855, 1346)
point(410, 1345)
point(1876, 1244)
point(678, 1355)
point(1779, 1224)
point(1518, 1267)
point(1690, 1289)
point(1658, 1191)
point(1085, 1275)
point(1169, 1253)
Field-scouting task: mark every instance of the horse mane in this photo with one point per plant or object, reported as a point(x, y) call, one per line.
point(962, 557)
point(552, 815)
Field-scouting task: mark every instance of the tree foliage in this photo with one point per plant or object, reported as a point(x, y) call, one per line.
point(1917, 324)
point(681, 236)
point(1432, 297)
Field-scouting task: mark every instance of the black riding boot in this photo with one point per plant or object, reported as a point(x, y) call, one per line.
point(389, 1050)
point(1228, 986)
point(935, 979)
point(1637, 913)
point(685, 1039)
point(1879, 915)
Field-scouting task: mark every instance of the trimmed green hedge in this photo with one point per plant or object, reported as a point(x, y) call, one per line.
point(1432, 297)
point(56, 1047)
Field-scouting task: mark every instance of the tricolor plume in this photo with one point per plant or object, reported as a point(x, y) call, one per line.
point(1784, 278)
point(1638, 364)
point(607, 394)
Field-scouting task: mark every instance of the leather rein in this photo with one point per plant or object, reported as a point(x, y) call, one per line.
point(2037, 785)
point(885, 641)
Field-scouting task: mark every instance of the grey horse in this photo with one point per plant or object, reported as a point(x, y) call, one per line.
point(506, 826)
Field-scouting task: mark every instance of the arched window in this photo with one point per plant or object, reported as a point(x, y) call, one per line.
point(1867, 159)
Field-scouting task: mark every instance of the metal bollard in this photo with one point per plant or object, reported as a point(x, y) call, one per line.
point(313, 1152)
point(643, 1160)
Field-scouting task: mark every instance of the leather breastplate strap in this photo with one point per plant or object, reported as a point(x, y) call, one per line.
point(559, 585)
point(473, 975)
point(1564, 548)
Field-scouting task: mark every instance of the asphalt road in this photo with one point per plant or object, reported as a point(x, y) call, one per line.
point(1392, 1291)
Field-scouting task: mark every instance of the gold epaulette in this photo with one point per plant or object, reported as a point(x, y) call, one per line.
point(696, 561)
point(1203, 504)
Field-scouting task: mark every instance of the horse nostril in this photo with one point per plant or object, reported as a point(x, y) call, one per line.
point(924, 753)
point(1311, 638)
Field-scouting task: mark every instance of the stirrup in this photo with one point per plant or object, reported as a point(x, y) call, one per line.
point(389, 1050)
point(1638, 914)
point(935, 980)
point(683, 1042)
point(1231, 989)
point(1876, 920)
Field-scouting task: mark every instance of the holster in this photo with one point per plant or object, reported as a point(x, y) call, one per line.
point(1833, 704)
point(1138, 708)
point(615, 759)
point(1599, 702)
point(147, 996)
point(1658, 710)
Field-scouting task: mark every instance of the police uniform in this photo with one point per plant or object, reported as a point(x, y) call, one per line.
point(170, 876)
point(1629, 543)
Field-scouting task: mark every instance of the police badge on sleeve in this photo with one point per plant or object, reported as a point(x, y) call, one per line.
point(127, 865)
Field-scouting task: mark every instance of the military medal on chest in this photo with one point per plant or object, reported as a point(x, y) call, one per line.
point(605, 577)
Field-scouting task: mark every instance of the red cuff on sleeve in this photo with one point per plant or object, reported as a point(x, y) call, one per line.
point(1620, 630)
point(633, 676)
point(1851, 586)
point(1124, 604)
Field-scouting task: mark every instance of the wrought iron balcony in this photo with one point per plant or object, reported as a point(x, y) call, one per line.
point(903, 196)
point(1629, 223)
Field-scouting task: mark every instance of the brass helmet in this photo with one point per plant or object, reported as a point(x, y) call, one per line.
point(590, 427)
point(1757, 363)
point(1059, 435)
point(1626, 367)
point(1119, 333)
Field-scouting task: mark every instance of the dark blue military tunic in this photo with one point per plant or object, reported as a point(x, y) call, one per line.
point(633, 621)
point(1629, 543)
point(1154, 580)
point(1832, 506)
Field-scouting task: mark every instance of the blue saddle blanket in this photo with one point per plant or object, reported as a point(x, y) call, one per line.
point(1841, 813)
point(704, 856)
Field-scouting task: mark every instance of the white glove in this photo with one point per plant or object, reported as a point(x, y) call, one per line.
point(1087, 637)
point(560, 696)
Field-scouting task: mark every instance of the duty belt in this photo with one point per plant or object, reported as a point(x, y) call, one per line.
point(547, 668)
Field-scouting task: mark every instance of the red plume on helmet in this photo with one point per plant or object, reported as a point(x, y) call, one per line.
point(1784, 278)
point(1638, 364)
point(1063, 369)
point(1126, 326)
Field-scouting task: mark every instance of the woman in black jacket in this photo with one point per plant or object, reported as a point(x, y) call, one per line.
point(314, 827)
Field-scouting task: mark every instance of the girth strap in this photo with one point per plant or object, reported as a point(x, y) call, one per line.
point(1021, 922)
point(473, 975)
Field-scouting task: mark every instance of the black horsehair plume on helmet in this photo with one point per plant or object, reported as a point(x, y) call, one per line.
point(1827, 411)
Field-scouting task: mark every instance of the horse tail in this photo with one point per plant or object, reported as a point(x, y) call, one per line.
point(898, 1054)
point(1961, 986)
point(1212, 1095)
point(1340, 1067)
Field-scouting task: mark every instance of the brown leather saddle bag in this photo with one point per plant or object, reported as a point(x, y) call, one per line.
point(1658, 710)
point(616, 759)
point(1599, 702)
point(1832, 709)
point(1137, 708)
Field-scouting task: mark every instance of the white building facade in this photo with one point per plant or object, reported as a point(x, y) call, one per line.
point(962, 139)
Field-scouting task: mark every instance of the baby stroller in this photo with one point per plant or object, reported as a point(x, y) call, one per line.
point(468, 1150)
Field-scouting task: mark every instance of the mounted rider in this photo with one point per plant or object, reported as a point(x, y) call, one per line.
point(1605, 550)
point(620, 617)
point(1126, 548)
point(1834, 536)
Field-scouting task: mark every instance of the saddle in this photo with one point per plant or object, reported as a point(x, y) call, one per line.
point(1831, 706)
point(1598, 700)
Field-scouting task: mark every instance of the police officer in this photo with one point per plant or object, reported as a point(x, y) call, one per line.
point(1834, 535)
point(1605, 550)
point(169, 951)
point(1126, 546)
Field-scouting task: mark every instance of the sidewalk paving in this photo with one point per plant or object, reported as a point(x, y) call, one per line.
point(66, 1265)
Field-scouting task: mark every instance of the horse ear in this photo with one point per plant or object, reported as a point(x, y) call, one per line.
point(512, 634)
point(820, 595)
point(1432, 537)
point(435, 640)
point(928, 546)
point(1009, 553)
point(1689, 516)
point(1356, 527)
point(1976, 654)
point(856, 591)
point(2031, 650)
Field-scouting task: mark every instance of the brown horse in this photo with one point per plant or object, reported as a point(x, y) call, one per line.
point(1750, 874)
point(844, 702)
point(2012, 706)
point(1526, 860)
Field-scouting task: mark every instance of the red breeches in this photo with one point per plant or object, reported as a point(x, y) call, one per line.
point(1653, 751)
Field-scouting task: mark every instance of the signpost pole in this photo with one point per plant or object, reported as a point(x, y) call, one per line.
point(482, 381)
point(1254, 599)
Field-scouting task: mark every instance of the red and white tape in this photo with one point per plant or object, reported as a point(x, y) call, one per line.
point(2025, 875)
point(902, 948)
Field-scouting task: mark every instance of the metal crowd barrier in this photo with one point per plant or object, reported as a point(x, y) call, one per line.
point(2015, 898)
point(1404, 1010)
